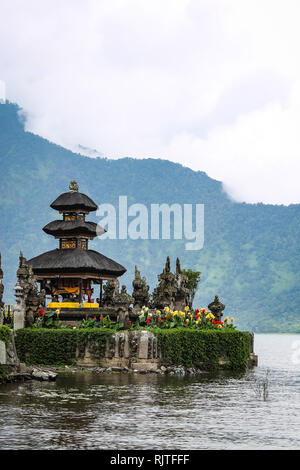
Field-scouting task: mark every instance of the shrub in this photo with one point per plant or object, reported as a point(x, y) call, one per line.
point(5, 333)
point(204, 348)
point(58, 346)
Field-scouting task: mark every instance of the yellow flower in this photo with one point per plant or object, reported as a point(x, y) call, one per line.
point(219, 326)
point(74, 327)
point(166, 309)
point(226, 319)
point(232, 319)
point(209, 316)
point(158, 312)
point(186, 308)
point(57, 311)
point(187, 320)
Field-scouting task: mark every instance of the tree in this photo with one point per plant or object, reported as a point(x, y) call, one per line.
point(193, 278)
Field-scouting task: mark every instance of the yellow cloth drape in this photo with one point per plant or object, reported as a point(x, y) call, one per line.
point(72, 290)
point(62, 290)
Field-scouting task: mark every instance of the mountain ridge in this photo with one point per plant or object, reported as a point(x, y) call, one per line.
point(250, 256)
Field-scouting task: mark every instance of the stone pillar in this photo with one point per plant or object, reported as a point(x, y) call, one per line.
point(2, 353)
point(19, 310)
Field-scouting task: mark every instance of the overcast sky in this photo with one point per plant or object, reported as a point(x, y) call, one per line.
point(214, 85)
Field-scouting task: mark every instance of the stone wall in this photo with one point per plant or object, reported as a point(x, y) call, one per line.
point(8, 353)
point(137, 350)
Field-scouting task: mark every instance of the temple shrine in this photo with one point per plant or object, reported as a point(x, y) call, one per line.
point(68, 273)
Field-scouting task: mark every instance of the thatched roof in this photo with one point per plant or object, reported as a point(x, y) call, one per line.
point(75, 260)
point(72, 201)
point(61, 228)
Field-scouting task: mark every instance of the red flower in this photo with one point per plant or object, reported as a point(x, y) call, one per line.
point(196, 316)
point(101, 318)
point(159, 319)
point(39, 310)
point(197, 311)
point(95, 318)
point(43, 314)
point(167, 317)
point(129, 321)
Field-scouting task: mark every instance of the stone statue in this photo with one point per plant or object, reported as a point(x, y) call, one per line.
point(19, 309)
point(164, 294)
point(140, 290)
point(216, 308)
point(73, 186)
point(122, 302)
point(182, 293)
point(32, 298)
point(111, 288)
point(178, 268)
point(123, 298)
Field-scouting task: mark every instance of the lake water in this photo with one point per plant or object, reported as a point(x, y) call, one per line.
point(118, 411)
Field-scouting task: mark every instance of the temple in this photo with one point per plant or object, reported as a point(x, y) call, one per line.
point(67, 273)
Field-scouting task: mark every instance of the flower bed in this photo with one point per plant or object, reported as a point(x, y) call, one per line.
point(189, 318)
point(165, 319)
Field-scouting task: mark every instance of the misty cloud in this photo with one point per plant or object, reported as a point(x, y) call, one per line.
point(212, 84)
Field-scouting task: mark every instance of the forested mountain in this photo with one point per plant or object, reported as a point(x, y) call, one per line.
point(250, 257)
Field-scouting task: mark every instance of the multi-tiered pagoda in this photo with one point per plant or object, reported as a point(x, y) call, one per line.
point(67, 273)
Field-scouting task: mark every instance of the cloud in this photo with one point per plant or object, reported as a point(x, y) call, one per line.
point(212, 84)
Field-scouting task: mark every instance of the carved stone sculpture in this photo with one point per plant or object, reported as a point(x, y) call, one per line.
point(110, 289)
point(164, 294)
point(122, 302)
point(216, 308)
point(73, 186)
point(32, 298)
point(123, 298)
point(140, 290)
point(19, 309)
point(182, 293)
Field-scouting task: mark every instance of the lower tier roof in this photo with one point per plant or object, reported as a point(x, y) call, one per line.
point(75, 260)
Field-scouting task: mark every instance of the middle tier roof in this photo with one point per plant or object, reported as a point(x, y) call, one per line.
point(62, 228)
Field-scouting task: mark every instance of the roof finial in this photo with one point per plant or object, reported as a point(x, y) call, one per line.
point(73, 186)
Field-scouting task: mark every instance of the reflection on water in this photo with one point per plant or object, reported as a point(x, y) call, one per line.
point(119, 411)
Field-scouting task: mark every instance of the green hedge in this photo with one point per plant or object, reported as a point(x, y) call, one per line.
point(204, 348)
point(178, 346)
point(5, 333)
point(45, 346)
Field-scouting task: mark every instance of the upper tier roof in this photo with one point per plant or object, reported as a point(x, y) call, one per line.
point(73, 200)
